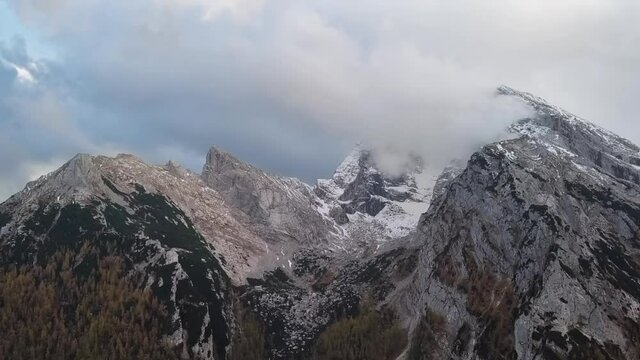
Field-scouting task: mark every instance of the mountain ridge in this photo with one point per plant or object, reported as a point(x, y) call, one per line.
point(529, 250)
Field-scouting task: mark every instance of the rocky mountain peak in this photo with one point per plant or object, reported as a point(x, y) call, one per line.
point(546, 223)
point(75, 173)
point(567, 135)
point(72, 181)
point(548, 117)
point(370, 203)
point(282, 209)
point(177, 170)
point(349, 168)
point(219, 161)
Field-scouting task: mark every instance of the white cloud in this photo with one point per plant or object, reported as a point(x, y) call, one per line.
point(23, 75)
point(240, 10)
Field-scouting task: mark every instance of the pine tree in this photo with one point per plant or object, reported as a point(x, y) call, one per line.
point(49, 312)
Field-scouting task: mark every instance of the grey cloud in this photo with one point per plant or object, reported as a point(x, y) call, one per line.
point(289, 85)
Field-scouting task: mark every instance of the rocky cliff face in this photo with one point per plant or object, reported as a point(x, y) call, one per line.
point(286, 207)
point(533, 250)
point(169, 226)
point(371, 206)
point(530, 250)
point(357, 210)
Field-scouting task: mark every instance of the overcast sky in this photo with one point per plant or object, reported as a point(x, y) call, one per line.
point(290, 85)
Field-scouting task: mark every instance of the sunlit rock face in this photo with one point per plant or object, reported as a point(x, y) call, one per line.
point(145, 214)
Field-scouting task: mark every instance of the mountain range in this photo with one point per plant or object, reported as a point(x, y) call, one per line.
point(529, 249)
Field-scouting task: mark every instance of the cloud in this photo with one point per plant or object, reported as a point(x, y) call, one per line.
point(23, 75)
point(392, 95)
point(39, 124)
point(240, 10)
point(289, 84)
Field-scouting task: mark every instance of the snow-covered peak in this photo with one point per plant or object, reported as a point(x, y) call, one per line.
point(371, 205)
point(543, 108)
point(528, 97)
point(567, 135)
point(348, 170)
point(550, 118)
point(537, 103)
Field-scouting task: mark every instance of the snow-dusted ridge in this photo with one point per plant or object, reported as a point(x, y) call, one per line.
point(545, 110)
point(565, 135)
point(370, 206)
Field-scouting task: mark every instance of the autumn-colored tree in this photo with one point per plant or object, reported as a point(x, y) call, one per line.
point(51, 312)
point(372, 335)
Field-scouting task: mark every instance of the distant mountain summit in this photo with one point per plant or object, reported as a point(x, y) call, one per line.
point(373, 206)
point(529, 250)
